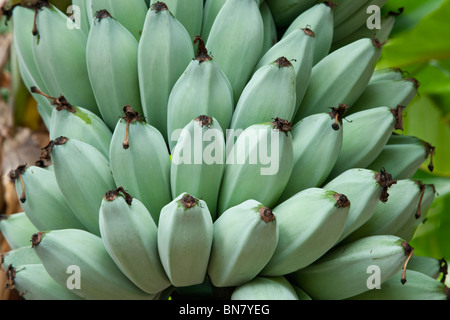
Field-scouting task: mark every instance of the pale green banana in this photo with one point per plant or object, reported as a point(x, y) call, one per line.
point(60, 51)
point(165, 50)
point(418, 287)
point(346, 8)
point(285, 11)
point(320, 19)
point(185, 237)
point(210, 11)
point(236, 41)
point(250, 173)
point(189, 13)
point(203, 89)
point(317, 140)
point(265, 288)
point(130, 236)
point(403, 155)
point(131, 14)
point(245, 238)
point(373, 128)
point(19, 256)
point(110, 43)
point(99, 278)
point(77, 123)
point(33, 282)
point(140, 162)
point(343, 272)
point(270, 28)
point(79, 12)
point(298, 48)
point(340, 77)
point(365, 189)
point(33, 184)
point(198, 161)
point(310, 223)
point(17, 229)
point(83, 175)
point(432, 267)
point(270, 93)
point(386, 74)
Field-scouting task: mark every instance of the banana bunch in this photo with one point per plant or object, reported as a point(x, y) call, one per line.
point(231, 149)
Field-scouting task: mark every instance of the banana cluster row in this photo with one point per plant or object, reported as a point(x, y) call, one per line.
point(196, 150)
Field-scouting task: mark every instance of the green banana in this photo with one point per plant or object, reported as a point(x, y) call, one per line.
point(99, 278)
point(17, 228)
point(245, 238)
point(189, 13)
point(432, 267)
point(210, 11)
point(285, 11)
point(403, 155)
point(60, 51)
point(249, 172)
point(298, 48)
point(110, 43)
point(340, 77)
point(265, 288)
point(77, 123)
point(164, 52)
point(83, 175)
point(33, 282)
point(34, 184)
point(388, 93)
point(185, 237)
point(344, 271)
point(386, 74)
point(365, 189)
point(239, 22)
point(79, 10)
point(203, 89)
point(140, 161)
point(320, 19)
point(198, 161)
point(310, 222)
point(317, 140)
point(346, 8)
point(419, 287)
point(373, 127)
point(19, 256)
point(270, 28)
point(270, 92)
point(130, 236)
point(131, 14)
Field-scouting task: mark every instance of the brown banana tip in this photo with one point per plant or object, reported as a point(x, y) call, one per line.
point(398, 115)
point(282, 62)
point(337, 114)
point(36, 239)
point(159, 6)
point(102, 14)
point(281, 125)
point(341, 200)
point(112, 195)
point(188, 201)
point(331, 4)
point(309, 32)
point(10, 276)
point(385, 180)
point(266, 214)
point(422, 193)
point(204, 121)
point(409, 251)
point(202, 52)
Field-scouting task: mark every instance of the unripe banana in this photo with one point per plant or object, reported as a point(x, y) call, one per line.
point(99, 276)
point(79, 10)
point(198, 161)
point(19, 256)
point(189, 13)
point(33, 184)
point(270, 29)
point(432, 267)
point(310, 223)
point(285, 11)
point(236, 41)
point(271, 92)
point(346, 8)
point(340, 77)
point(17, 228)
point(249, 172)
point(77, 123)
point(388, 93)
point(265, 288)
point(130, 14)
point(245, 238)
point(403, 155)
point(33, 282)
point(365, 189)
point(419, 287)
point(130, 236)
point(140, 161)
point(298, 48)
point(110, 44)
point(320, 19)
point(83, 175)
point(203, 89)
point(386, 74)
point(317, 140)
point(185, 237)
point(164, 52)
point(60, 51)
point(343, 271)
point(373, 127)
point(210, 11)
